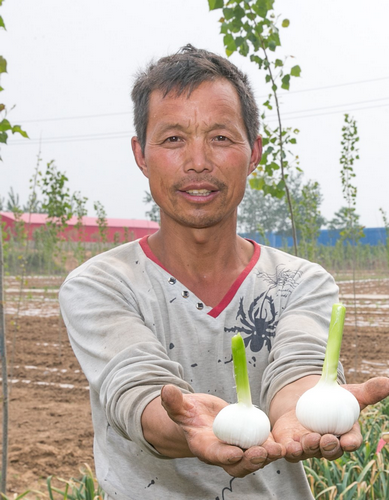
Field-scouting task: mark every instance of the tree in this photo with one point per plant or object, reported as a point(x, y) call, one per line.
point(101, 221)
point(309, 219)
point(251, 26)
point(153, 214)
point(263, 213)
point(344, 218)
point(353, 230)
point(13, 202)
point(57, 204)
point(5, 128)
point(260, 211)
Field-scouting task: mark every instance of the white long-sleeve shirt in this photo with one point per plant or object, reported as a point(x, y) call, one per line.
point(134, 328)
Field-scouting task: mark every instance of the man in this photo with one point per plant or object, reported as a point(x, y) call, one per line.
point(151, 321)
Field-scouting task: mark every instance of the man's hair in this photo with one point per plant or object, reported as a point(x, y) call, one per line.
point(184, 72)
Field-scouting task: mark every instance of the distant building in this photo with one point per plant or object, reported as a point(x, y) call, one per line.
point(118, 230)
point(327, 237)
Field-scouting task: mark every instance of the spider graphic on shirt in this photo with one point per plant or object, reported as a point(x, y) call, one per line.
point(260, 322)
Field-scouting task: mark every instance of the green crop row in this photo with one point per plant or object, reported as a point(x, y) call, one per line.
point(85, 488)
point(44, 256)
point(361, 475)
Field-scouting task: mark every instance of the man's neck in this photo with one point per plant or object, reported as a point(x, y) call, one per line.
point(207, 261)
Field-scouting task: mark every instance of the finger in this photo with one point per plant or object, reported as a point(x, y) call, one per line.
point(293, 451)
point(310, 443)
point(352, 440)
point(253, 459)
point(274, 450)
point(370, 392)
point(212, 451)
point(330, 447)
point(172, 400)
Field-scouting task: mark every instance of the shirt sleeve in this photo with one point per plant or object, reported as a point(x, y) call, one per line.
point(300, 342)
point(125, 364)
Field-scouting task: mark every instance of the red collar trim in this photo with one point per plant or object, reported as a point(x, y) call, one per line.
point(239, 280)
point(214, 313)
point(144, 243)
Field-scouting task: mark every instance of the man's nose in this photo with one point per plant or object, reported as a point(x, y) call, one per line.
point(198, 157)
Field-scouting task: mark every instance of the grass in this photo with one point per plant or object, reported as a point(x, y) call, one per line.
point(361, 475)
point(85, 488)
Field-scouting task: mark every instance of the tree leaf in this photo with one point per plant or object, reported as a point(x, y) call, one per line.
point(229, 44)
point(17, 129)
point(285, 82)
point(3, 137)
point(272, 45)
point(244, 49)
point(274, 38)
point(257, 183)
point(239, 13)
point(261, 8)
point(295, 71)
point(215, 4)
point(285, 23)
point(228, 13)
point(5, 125)
point(2, 25)
point(256, 59)
point(3, 65)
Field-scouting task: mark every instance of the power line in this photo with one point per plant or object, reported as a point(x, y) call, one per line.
point(76, 117)
point(273, 119)
point(75, 138)
point(129, 133)
point(121, 113)
point(336, 85)
point(335, 106)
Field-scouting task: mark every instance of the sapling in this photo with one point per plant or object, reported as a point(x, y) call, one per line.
point(241, 424)
point(328, 408)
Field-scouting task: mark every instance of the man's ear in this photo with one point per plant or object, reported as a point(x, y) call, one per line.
point(256, 154)
point(139, 156)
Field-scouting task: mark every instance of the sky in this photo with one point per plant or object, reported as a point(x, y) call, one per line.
point(71, 66)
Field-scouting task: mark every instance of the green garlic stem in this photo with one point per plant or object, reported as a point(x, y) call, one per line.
point(240, 369)
point(331, 360)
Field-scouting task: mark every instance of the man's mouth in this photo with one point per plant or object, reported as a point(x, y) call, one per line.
point(198, 192)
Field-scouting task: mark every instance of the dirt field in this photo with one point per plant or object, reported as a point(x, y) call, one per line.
point(50, 422)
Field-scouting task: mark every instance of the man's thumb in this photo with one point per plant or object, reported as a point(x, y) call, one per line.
point(370, 392)
point(172, 400)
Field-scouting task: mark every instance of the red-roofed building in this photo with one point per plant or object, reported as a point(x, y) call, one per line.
point(118, 230)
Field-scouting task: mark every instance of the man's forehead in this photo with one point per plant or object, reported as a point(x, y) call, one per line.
point(179, 92)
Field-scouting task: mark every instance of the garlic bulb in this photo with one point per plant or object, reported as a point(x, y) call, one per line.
point(241, 424)
point(328, 408)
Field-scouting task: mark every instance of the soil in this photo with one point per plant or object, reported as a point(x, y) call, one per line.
point(50, 429)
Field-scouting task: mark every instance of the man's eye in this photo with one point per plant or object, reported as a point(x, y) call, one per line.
point(173, 138)
point(221, 138)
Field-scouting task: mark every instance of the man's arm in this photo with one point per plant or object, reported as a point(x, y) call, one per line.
point(180, 425)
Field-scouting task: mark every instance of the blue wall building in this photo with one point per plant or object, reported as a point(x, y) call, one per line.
point(327, 237)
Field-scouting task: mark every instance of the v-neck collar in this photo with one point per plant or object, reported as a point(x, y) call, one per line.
point(215, 311)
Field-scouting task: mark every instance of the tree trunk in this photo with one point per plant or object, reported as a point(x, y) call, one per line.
point(4, 373)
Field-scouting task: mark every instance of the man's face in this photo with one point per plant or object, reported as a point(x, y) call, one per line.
point(197, 156)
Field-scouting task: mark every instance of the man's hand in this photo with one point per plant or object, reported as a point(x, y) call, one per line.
point(301, 443)
point(193, 415)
